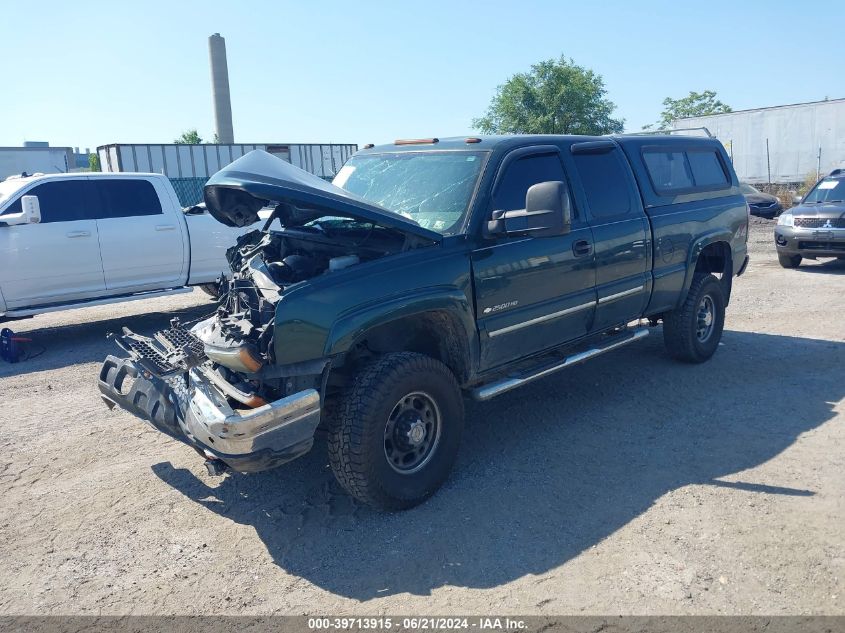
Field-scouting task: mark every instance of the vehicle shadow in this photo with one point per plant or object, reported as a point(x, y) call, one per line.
point(545, 472)
point(831, 266)
point(58, 346)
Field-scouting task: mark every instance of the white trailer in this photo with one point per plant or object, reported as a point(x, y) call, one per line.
point(202, 161)
point(782, 144)
point(45, 160)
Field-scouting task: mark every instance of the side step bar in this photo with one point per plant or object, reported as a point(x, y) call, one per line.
point(493, 389)
point(97, 301)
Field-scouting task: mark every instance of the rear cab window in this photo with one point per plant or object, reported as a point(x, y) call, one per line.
point(606, 181)
point(121, 198)
point(685, 169)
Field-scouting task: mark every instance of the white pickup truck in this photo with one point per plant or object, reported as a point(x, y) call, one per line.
point(74, 240)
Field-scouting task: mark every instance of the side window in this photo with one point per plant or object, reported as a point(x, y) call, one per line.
point(520, 175)
point(707, 170)
point(668, 170)
point(60, 201)
point(126, 198)
point(605, 183)
point(15, 207)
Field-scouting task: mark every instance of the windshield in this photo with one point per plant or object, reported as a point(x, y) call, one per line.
point(747, 189)
point(432, 188)
point(9, 187)
point(828, 190)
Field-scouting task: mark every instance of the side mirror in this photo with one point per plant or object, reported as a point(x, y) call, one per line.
point(547, 213)
point(797, 199)
point(30, 213)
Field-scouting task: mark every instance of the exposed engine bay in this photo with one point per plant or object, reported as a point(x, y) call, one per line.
point(215, 384)
point(240, 335)
point(233, 348)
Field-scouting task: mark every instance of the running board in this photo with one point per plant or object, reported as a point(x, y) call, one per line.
point(98, 301)
point(493, 389)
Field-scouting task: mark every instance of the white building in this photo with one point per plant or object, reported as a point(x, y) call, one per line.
point(802, 138)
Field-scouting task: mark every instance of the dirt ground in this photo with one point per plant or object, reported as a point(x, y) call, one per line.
point(631, 484)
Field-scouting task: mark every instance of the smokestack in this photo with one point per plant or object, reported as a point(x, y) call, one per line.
point(220, 89)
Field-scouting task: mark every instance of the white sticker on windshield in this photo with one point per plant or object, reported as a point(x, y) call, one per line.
point(470, 159)
point(829, 184)
point(343, 175)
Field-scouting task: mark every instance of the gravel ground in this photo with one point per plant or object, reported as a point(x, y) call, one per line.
point(631, 484)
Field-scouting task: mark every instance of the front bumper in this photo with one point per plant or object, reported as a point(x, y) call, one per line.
point(770, 211)
point(810, 243)
point(195, 412)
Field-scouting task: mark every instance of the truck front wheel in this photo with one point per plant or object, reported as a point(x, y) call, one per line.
point(396, 432)
point(789, 261)
point(692, 331)
point(212, 290)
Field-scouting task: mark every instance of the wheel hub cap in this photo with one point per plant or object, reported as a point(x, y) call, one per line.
point(705, 318)
point(416, 434)
point(412, 432)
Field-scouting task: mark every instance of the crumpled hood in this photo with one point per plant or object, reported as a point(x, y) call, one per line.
point(236, 193)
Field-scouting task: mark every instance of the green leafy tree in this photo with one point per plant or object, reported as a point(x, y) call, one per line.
point(189, 137)
point(694, 104)
point(554, 97)
point(93, 162)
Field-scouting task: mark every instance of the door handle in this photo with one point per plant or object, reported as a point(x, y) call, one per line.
point(78, 234)
point(165, 227)
point(582, 248)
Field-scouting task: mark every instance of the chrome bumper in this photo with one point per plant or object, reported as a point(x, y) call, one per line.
point(246, 440)
point(272, 427)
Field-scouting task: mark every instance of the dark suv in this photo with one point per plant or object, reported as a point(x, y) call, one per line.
point(816, 226)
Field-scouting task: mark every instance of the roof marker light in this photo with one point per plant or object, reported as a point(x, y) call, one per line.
point(473, 139)
point(416, 141)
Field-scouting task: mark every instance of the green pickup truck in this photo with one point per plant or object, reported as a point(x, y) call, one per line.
point(366, 309)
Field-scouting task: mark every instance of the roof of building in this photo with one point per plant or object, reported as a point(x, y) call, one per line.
point(788, 105)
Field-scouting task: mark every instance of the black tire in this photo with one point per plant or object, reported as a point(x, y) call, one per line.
point(212, 290)
point(362, 452)
point(688, 333)
point(789, 261)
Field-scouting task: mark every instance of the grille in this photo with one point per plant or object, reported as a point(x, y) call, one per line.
point(147, 352)
point(821, 223)
point(177, 339)
point(822, 246)
point(762, 205)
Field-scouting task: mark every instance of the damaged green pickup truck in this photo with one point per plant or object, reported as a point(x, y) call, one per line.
point(367, 308)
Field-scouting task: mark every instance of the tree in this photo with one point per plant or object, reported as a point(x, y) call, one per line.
point(694, 104)
point(189, 137)
point(93, 162)
point(555, 97)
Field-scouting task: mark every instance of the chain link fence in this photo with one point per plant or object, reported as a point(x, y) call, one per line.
point(189, 190)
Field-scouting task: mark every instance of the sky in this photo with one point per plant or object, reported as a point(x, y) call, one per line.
point(88, 73)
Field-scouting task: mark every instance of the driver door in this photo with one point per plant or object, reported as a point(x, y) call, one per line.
point(57, 260)
point(532, 293)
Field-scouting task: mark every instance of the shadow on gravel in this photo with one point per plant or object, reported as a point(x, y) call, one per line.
point(65, 345)
point(548, 471)
point(830, 267)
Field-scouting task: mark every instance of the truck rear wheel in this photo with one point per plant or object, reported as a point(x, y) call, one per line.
point(396, 432)
point(692, 331)
point(789, 261)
